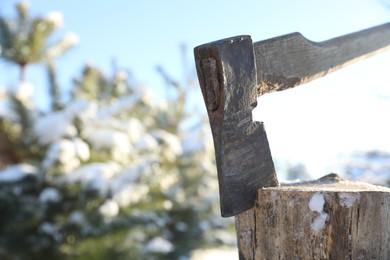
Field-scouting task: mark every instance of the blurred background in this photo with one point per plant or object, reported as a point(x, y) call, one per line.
point(105, 147)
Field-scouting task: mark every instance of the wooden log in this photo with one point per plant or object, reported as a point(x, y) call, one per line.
point(330, 218)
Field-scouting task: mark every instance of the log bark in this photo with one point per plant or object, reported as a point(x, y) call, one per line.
point(330, 218)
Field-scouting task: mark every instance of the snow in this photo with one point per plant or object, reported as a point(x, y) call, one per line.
point(121, 75)
point(117, 142)
point(47, 228)
point(319, 222)
point(66, 150)
point(17, 172)
point(77, 217)
point(167, 205)
point(316, 204)
point(67, 153)
point(125, 187)
point(181, 226)
point(118, 137)
point(146, 142)
point(198, 139)
point(131, 193)
point(172, 142)
point(63, 152)
point(55, 18)
point(159, 245)
point(108, 138)
point(71, 38)
point(122, 104)
point(53, 126)
point(85, 110)
point(129, 175)
point(94, 175)
point(22, 91)
point(49, 194)
point(348, 199)
point(372, 167)
point(50, 229)
point(225, 236)
point(135, 129)
point(217, 253)
point(82, 149)
point(109, 209)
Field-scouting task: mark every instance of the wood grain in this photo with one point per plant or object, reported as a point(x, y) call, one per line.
point(290, 60)
point(331, 218)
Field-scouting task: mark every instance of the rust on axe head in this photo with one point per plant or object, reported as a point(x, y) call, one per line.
point(227, 74)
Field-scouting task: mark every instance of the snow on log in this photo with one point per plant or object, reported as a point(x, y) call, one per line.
point(330, 218)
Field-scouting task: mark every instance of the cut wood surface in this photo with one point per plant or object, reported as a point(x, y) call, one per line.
point(331, 218)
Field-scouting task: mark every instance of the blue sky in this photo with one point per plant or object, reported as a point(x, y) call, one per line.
point(143, 34)
point(140, 35)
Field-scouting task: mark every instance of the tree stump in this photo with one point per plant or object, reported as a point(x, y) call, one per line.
point(330, 218)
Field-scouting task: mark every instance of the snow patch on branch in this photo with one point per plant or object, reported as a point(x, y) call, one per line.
point(50, 195)
point(22, 91)
point(122, 104)
point(64, 153)
point(55, 18)
point(93, 175)
point(159, 245)
point(17, 172)
point(51, 127)
point(170, 143)
point(109, 209)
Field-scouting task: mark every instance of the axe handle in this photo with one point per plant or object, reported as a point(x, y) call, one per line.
point(290, 60)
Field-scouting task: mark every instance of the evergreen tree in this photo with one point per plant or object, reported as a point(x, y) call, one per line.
point(26, 40)
point(112, 174)
point(371, 166)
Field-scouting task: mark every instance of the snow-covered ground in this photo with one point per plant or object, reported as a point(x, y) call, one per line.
point(213, 254)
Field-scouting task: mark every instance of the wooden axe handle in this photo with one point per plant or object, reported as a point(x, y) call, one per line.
point(290, 60)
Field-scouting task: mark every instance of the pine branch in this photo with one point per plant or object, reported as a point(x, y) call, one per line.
point(55, 93)
point(8, 153)
point(5, 37)
point(23, 113)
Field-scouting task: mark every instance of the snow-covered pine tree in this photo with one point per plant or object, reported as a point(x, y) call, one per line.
point(111, 174)
point(370, 166)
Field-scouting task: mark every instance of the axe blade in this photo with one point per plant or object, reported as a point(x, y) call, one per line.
point(227, 74)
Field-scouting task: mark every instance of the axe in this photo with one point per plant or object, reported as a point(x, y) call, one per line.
point(233, 72)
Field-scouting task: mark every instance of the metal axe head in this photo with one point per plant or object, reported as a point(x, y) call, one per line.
point(227, 74)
